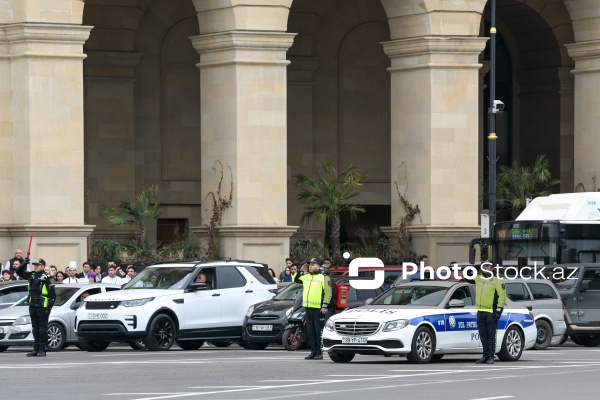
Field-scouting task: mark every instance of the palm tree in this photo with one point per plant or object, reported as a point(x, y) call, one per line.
point(515, 183)
point(145, 207)
point(326, 195)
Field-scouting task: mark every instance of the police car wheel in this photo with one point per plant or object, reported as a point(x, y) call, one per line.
point(341, 357)
point(3, 348)
point(512, 345)
point(160, 335)
point(544, 335)
point(56, 337)
point(190, 344)
point(423, 345)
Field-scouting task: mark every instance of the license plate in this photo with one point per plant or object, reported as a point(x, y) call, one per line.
point(262, 327)
point(98, 316)
point(354, 340)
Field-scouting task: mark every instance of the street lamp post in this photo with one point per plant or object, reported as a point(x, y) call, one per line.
point(495, 105)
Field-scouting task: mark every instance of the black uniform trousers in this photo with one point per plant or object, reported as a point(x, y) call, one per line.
point(487, 333)
point(39, 326)
point(315, 322)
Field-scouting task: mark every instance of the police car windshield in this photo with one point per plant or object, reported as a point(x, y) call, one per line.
point(412, 295)
point(161, 278)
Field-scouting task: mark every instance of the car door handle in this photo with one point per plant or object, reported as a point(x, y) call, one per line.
point(216, 294)
point(249, 291)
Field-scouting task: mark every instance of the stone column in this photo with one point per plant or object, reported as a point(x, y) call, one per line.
point(42, 145)
point(243, 100)
point(586, 138)
point(435, 140)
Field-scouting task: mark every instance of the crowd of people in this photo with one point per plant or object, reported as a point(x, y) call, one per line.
point(291, 270)
point(112, 273)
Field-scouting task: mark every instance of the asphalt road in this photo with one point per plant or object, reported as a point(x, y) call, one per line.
point(119, 373)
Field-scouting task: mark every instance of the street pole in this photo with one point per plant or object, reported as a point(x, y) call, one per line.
point(492, 128)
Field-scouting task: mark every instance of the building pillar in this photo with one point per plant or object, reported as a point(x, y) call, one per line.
point(243, 97)
point(42, 134)
point(586, 139)
point(435, 140)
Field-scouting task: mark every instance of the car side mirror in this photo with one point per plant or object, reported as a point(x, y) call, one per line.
point(75, 305)
point(368, 301)
point(197, 286)
point(585, 285)
point(454, 303)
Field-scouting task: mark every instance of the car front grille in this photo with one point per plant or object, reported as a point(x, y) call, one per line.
point(101, 305)
point(354, 328)
point(264, 317)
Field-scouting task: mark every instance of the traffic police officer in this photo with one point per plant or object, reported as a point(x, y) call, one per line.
point(490, 298)
point(316, 295)
point(41, 299)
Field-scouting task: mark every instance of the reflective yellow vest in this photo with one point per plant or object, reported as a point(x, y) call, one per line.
point(490, 293)
point(316, 290)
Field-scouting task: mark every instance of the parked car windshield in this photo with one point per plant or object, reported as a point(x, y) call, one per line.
point(63, 294)
point(289, 293)
point(412, 295)
point(160, 278)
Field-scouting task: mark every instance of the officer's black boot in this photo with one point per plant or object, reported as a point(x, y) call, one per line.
point(33, 353)
point(42, 352)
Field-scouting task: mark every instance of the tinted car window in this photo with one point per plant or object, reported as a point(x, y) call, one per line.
point(352, 296)
point(230, 277)
point(261, 274)
point(542, 291)
point(517, 292)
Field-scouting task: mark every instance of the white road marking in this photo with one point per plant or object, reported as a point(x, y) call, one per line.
point(494, 398)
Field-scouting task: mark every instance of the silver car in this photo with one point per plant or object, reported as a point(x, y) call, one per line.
point(543, 300)
point(15, 323)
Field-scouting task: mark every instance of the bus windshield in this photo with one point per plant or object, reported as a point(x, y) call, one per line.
point(521, 243)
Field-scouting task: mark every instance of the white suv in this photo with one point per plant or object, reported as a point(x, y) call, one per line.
point(165, 304)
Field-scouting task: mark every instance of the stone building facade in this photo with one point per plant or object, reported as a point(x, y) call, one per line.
point(101, 98)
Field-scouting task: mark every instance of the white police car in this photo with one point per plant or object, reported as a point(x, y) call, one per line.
point(424, 321)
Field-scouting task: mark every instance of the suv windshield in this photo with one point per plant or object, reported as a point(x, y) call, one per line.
point(160, 278)
point(289, 293)
point(412, 295)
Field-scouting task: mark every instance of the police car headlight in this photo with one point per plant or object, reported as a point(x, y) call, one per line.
point(250, 311)
point(395, 325)
point(329, 325)
point(136, 303)
point(23, 320)
point(289, 312)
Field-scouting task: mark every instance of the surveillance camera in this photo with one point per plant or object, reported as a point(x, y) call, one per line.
point(497, 106)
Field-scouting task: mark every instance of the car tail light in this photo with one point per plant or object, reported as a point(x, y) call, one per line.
point(531, 315)
point(273, 290)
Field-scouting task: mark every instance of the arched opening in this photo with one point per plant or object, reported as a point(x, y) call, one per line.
point(339, 100)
